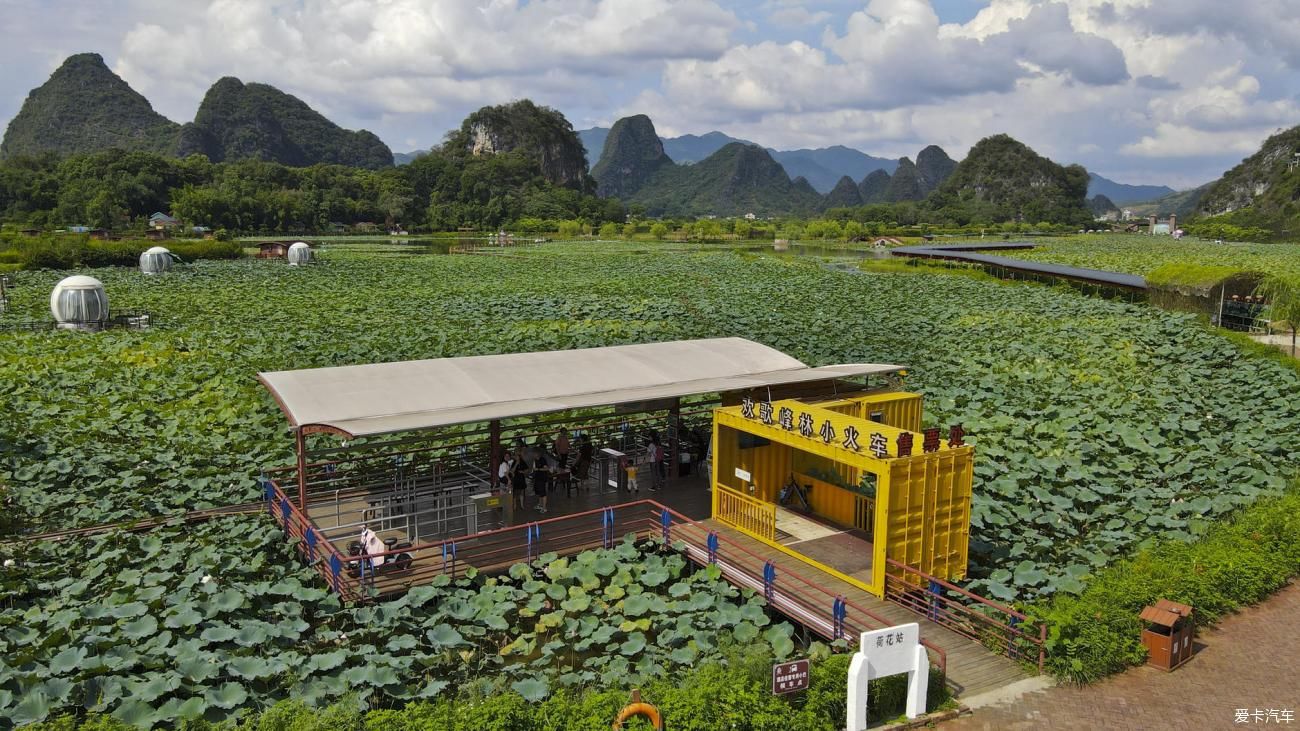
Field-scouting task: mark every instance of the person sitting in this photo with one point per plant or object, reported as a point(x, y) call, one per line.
point(371, 546)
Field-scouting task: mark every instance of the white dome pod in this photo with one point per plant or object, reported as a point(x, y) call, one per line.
point(79, 302)
point(299, 253)
point(156, 260)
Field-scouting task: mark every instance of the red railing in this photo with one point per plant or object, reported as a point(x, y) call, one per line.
point(318, 552)
point(822, 611)
point(996, 626)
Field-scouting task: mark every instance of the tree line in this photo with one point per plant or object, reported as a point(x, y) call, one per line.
point(118, 190)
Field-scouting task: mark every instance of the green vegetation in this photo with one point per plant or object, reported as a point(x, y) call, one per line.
point(631, 156)
point(1099, 426)
point(183, 622)
point(84, 107)
point(540, 134)
point(733, 181)
point(69, 251)
point(1261, 192)
point(1092, 418)
point(1167, 261)
point(238, 121)
point(732, 694)
point(1237, 563)
point(118, 190)
point(1003, 180)
point(1180, 274)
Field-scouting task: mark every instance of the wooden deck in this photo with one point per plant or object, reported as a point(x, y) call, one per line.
point(972, 668)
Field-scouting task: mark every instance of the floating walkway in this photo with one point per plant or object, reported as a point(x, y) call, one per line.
point(971, 668)
point(968, 253)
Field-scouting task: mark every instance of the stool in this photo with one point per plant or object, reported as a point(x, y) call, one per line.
point(565, 477)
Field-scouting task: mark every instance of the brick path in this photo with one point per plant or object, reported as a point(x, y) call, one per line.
point(1251, 660)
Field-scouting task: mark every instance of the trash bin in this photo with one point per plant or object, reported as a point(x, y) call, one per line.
point(1169, 632)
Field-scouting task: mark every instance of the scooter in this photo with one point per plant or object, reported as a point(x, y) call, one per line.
point(393, 562)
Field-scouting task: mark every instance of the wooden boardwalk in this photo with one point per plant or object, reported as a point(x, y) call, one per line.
point(972, 668)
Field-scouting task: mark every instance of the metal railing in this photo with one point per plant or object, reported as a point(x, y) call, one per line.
point(318, 552)
point(747, 514)
point(820, 610)
point(998, 627)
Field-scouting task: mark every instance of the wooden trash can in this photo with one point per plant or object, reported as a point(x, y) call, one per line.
point(1168, 636)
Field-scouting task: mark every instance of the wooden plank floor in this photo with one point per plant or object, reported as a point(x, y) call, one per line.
point(972, 668)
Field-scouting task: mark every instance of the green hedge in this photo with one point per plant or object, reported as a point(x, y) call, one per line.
point(70, 251)
point(1235, 564)
point(734, 694)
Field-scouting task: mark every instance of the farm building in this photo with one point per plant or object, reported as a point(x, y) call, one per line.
point(273, 250)
point(160, 220)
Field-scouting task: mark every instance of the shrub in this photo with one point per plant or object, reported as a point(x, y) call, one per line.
point(1098, 632)
point(732, 694)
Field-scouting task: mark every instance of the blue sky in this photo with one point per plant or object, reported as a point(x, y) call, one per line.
point(1150, 91)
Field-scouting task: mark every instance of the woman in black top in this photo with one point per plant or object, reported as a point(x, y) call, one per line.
point(585, 454)
point(541, 480)
point(519, 478)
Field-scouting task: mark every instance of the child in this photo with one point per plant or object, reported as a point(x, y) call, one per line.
point(630, 466)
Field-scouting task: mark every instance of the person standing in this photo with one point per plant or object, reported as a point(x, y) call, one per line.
point(629, 464)
point(658, 470)
point(541, 479)
point(562, 447)
point(503, 471)
point(519, 478)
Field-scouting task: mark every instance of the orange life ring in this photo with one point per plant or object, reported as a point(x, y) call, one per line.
point(638, 708)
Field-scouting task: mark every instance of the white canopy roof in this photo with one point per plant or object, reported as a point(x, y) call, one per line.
point(381, 398)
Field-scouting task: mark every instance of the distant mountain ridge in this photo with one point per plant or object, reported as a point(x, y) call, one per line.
point(85, 107)
point(1120, 193)
point(822, 167)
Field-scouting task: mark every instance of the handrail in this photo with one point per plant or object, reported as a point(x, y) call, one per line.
point(941, 614)
point(746, 513)
point(502, 546)
point(957, 589)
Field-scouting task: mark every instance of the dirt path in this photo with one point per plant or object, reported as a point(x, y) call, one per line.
point(1250, 661)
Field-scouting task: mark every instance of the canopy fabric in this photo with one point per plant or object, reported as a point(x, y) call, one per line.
point(382, 398)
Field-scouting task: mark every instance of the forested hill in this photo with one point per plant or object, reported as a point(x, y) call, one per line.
point(239, 121)
point(1262, 190)
point(733, 181)
point(543, 134)
point(85, 107)
point(1003, 180)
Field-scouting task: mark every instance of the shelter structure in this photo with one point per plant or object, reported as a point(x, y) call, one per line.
point(272, 250)
point(422, 440)
point(850, 484)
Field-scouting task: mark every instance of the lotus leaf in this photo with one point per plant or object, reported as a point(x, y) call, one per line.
point(227, 696)
point(532, 689)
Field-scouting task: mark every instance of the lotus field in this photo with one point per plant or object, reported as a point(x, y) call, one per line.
point(1097, 425)
point(1161, 258)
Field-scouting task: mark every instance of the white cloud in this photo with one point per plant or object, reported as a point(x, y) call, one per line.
point(383, 60)
point(1174, 140)
point(1150, 89)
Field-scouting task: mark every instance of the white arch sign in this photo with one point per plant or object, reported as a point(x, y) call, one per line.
point(883, 652)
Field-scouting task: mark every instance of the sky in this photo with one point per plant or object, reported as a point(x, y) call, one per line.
point(1168, 92)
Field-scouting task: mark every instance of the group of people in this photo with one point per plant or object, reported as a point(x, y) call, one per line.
point(542, 463)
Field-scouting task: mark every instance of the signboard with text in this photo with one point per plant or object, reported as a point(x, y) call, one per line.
point(788, 677)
